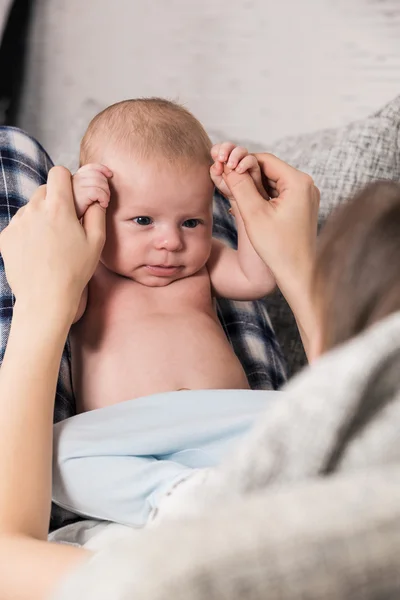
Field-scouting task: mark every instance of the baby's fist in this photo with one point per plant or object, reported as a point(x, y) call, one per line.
point(237, 159)
point(90, 185)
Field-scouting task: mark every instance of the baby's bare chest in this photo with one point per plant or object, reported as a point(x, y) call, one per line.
point(134, 341)
point(117, 308)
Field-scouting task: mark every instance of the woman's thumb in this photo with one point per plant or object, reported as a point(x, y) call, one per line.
point(244, 191)
point(94, 224)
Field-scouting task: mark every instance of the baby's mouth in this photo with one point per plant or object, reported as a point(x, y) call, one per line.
point(163, 270)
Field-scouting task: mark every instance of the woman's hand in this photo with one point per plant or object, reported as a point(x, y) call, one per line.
point(283, 231)
point(49, 255)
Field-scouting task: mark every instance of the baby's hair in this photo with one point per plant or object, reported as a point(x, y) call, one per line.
point(147, 127)
point(356, 278)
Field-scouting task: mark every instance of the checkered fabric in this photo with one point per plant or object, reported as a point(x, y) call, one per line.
point(247, 324)
point(24, 166)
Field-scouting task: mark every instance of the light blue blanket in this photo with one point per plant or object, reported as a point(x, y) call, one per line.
point(116, 463)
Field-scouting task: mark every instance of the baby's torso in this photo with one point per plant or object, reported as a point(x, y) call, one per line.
point(135, 340)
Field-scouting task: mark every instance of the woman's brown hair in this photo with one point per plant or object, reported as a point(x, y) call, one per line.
point(357, 273)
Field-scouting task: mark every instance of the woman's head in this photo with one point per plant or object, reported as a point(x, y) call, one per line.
point(357, 273)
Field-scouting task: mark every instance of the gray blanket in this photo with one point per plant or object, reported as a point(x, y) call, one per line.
point(309, 507)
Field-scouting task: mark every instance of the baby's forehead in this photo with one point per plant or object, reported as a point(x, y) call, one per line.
point(164, 199)
point(158, 176)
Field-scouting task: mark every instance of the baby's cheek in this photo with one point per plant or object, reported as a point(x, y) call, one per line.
point(108, 252)
point(203, 252)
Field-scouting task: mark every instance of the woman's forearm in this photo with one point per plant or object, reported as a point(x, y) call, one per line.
point(307, 326)
point(296, 289)
point(28, 379)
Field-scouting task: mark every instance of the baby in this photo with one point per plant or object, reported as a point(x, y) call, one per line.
point(147, 321)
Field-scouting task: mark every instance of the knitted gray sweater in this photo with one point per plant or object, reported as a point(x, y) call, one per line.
point(309, 506)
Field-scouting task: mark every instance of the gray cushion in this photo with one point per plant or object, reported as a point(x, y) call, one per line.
point(340, 161)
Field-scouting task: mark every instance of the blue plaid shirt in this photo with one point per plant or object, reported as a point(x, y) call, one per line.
point(24, 166)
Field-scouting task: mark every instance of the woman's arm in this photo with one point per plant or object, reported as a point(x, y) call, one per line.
point(49, 257)
point(28, 380)
point(30, 566)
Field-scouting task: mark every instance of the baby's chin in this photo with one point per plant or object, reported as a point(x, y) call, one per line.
point(156, 281)
point(151, 280)
point(154, 276)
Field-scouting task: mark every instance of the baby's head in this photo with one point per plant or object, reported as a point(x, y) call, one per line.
point(356, 279)
point(159, 221)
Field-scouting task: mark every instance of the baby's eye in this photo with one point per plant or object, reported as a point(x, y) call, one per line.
point(143, 220)
point(191, 223)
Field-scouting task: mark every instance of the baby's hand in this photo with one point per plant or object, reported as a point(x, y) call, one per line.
point(90, 185)
point(237, 159)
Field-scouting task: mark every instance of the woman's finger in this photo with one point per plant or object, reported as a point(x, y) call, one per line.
point(245, 193)
point(19, 213)
point(275, 169)
point(94, 224)
point(39, 194)
point(59, 194)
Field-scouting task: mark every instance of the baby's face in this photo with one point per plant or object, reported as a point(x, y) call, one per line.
point(159, 221)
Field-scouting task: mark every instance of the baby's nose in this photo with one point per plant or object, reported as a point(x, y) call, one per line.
point(170, 240)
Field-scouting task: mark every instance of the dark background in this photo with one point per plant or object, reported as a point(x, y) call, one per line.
point(12, 55)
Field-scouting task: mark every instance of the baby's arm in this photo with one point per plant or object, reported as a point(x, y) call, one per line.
point(90, 184)
point(237, 274)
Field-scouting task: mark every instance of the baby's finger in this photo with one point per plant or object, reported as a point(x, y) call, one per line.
point(99, 168)
point(225, 150)
point(215, 151)
point(237, 154)
point(217, 169)
point(94, 181)
point(90, 182)
point(97, 194)
point(248, 163)
point(104, 201)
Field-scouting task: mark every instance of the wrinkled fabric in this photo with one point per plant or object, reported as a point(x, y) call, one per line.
point(307, 507)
